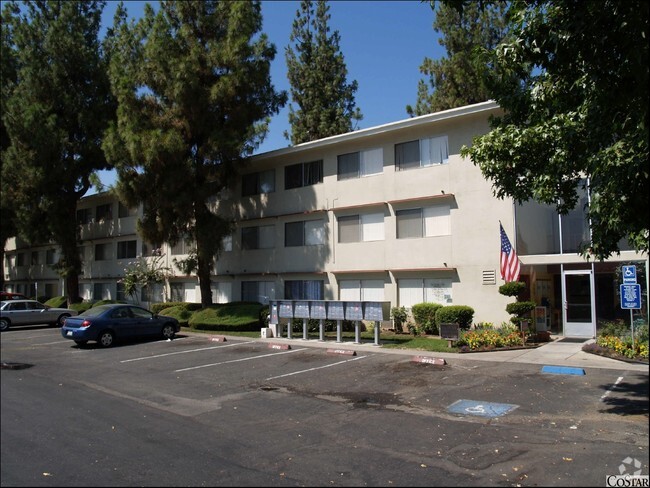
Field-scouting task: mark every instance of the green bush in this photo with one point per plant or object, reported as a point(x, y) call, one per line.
point(157, 307)
point(460, 314)
point(81, 306)
point(399, 316)
point(520, 309)
point(424, 315)
point(104, 302)
point(57, 302)
point(236, 316)
point(179, 312)
point(512, 288)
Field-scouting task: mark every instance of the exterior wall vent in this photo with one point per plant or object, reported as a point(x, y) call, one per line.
point(490, 277)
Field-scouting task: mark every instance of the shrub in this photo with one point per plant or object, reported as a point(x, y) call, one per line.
point(236, 316)
point(81, 306)
point(399, 316)
point(104, 302)
point(179, 312)
point(157, 307)
point(57, 302)
point(424, 315)
point(460, 314)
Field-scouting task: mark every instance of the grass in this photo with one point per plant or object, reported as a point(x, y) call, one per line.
point(387, 339)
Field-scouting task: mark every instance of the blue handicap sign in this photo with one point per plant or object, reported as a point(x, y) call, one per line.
point(629, 274)
point(481, 409)
point(631, 296)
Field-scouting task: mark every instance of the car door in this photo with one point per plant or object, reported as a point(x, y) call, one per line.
point(40, 314)
point(145, 323)
point(123, 322)
point(17, 313)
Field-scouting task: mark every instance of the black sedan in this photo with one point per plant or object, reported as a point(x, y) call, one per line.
point(116, 321)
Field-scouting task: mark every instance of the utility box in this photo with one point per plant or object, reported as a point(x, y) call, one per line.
point(267, 332)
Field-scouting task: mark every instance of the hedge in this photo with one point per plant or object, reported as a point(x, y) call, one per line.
point(460, 314)
point(424, 315)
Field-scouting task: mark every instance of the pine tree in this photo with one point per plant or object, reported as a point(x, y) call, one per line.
point(194, 92)
point(54, 113)
point(459, 79)
point(318, 77)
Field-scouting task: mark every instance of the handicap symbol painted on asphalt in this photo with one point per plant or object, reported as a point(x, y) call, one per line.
point(481, 409)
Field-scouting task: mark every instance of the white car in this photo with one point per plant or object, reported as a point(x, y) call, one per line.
point(31, 312)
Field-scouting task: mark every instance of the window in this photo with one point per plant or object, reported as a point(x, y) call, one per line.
point(104, 212)
point(50, 256)
point(257, 291)
point(423, 222)
point(307, 233)
point(412, 291)
point(84, 216)
point(227, 243)
point(357, 228)
point(102, 252)
point(184, 246)
point(35, 258)
point(363, 163)
point(303, 174)
point(361, 290)
point(257, 183)
point(101, 291)
point(20, 259)
point(425, 152)
point(262, 237)
point(149, 249)
point(126, 249)
point(50, 290)
point(177, 292)
point(303, 290)
point(123, 211)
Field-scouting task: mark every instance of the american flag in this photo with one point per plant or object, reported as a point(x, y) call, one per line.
point(509, 261)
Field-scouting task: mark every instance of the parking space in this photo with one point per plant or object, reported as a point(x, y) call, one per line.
point(191, 365)
point(310, 412)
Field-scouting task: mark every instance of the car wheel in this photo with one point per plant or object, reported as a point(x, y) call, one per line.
point(168, 331)
point(4, 324)
point(61, 319)
point(80, 343)
point(106, 338)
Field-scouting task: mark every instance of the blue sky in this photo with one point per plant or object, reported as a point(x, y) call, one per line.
point(383, 43)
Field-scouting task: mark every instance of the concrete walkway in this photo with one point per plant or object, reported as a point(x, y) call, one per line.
point(555, 353)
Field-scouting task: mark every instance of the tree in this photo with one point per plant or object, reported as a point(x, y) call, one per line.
point(459, 79)
point(8, 70)
point(54, 115)
point(573, 84)
point(193, 86)
point(318, 77)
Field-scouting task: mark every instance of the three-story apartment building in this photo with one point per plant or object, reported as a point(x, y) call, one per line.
point(390, 213)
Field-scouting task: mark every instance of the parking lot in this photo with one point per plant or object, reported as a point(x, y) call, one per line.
point(247, 413)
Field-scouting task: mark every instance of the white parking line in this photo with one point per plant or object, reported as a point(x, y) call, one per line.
point(609, 390)
point(184, 352)
point(314, 369)
point(239, 360)
point(50, 343)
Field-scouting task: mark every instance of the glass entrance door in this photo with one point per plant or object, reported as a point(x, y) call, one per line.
point(579, 303)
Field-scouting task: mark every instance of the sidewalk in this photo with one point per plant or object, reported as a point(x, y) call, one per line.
point(554, 353)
